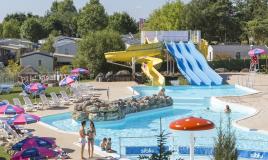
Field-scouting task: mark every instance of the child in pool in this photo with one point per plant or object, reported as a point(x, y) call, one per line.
point(103, 144)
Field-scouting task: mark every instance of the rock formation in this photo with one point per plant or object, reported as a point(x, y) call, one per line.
point(100, 110)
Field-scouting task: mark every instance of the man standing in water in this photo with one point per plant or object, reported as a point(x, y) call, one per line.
point(83, 140)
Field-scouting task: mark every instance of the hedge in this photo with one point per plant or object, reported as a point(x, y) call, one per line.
point(234, 64)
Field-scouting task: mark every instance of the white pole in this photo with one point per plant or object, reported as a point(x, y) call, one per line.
point(173, 69)
point(191, 146)
point(167, 63)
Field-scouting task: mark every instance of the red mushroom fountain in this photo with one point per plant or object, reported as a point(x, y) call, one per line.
point(191, 124)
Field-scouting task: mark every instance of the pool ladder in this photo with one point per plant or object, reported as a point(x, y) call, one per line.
point(247, 81)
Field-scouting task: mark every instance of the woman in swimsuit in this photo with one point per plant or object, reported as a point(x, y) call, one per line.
point(91, 133)
point(83, 140)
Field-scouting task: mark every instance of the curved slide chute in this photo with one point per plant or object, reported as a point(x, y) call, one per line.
point(143, 54)
point(193, 64)
point(215, 78)
point(182, 64)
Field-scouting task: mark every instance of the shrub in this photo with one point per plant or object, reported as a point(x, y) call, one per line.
point(225, 144)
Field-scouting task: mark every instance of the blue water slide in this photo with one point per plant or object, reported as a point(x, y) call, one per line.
point(213, 76)
point(194, 66)
point(182, 64)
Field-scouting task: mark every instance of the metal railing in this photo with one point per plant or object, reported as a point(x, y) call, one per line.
point(147, 143)
point(247, 80)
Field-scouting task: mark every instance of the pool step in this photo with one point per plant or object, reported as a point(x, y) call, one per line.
point(188, 104)
point(191, 100)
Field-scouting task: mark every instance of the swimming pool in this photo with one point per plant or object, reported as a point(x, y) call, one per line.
point(188, 101)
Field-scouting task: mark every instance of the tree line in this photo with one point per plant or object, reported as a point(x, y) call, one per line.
point(242, 21)
point(64, 19)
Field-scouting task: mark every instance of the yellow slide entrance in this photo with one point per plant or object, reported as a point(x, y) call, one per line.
point(143, 54)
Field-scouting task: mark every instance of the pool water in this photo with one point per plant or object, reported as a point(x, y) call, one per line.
point(188, 101)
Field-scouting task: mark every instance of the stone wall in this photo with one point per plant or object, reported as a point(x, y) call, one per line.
point(99, 110)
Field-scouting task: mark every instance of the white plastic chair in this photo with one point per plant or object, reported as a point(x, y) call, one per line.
point(55, 99)
point(46, 102)
point(29, 106)
point(64, 96)
point(78, 94)
point(16, 101)
point(5, 101)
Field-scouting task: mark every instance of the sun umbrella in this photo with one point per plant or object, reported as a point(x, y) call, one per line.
point(68, 80)
point(36, 153)
point(34, 142)
point(2, 103)
point(79, 71)
point(35, 88)
point(10, 109)
point(256, 51)
point(191, 124)
point(22, 119)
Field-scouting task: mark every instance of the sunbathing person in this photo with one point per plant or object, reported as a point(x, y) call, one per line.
point(162, 92)
point(103, 144)
point(109, 146)
point(17, 130)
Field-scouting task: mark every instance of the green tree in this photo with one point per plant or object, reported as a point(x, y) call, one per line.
point(63, 6)
point(252, 15)
point(65, 69)
point(92, 17)
point(1, 30)
point(32, 30)
point(92, 47)
point(13, 68)
point(61, 18)
point(163, 153)
point(122, 23)
point(11, 29)
point(52, 23)
point(48, 45)
point(225, 144)
point(217, 20)
point(20, 17)
point(169, 17)
point(258, 29)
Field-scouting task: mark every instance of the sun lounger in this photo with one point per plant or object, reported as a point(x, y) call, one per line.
point(47, 103)
point(24, 132)
point(16, 101)
point(10, 132)
point(6, 88)
point(79, 94)
point(65, 97)
point(5, 101)
point(29, 106)
point(56, 99)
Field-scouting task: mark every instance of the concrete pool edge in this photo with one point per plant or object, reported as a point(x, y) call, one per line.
point(97, 149)
point(135, 94)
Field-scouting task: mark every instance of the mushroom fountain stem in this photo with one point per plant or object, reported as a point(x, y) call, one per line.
point(192, 141)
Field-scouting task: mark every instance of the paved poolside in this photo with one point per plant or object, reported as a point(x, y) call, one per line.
point(259, 101)
point(67, 141)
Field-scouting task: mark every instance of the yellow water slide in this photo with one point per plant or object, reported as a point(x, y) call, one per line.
point(143, 54)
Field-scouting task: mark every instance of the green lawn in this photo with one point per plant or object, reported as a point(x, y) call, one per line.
point(3, 154)
point(17, 90)
point(87, 80)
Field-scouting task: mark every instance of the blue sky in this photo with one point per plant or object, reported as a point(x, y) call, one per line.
point(136, 8)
